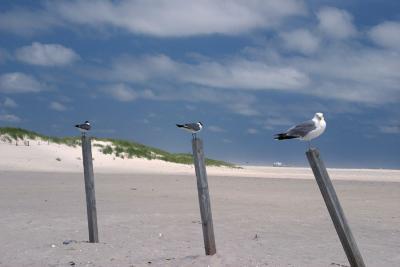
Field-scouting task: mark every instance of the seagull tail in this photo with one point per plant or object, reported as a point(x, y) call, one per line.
point(77, 126)
point(283, 136)
point(179, 125)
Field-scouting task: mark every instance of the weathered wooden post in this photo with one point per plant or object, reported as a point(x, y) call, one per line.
point(89, 189)
point(204, 196)
point(335, 210)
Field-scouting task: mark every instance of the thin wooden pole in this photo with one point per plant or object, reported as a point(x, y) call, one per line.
point(335, 210)
point(204, 197)
point(89, 189)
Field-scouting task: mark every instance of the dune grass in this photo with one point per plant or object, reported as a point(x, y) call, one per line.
point(116, 147)
point(133, 149)
point(20, 134)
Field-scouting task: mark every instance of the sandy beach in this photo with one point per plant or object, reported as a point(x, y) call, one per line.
point(148, 213)
point(153, 220)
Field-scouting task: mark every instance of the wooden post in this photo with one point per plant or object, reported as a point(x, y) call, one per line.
point(335, 210)
point(89, 189)
point(204, 196)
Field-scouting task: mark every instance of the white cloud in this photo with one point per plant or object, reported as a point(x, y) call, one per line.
point(244, 108)
point(57, 106)
point(121, 92)
point(9, 118)
point(346, 71)
point(342, 71)
point(46, 54)
point(172, 18)
point(336, 23)
point(301, 40)
point(245, 74)
point(386, 34)
point(390, 129)
point(17, 82)
point(236, 102)
point(359, 74)
point(277, 122)
point(26, 21)
point(180, 17)
point(9, 103)
point(232, 74)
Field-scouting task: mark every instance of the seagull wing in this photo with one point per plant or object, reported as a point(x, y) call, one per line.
point(83, 126)
point(192, 126)
point(301, 129)
point(86, 127)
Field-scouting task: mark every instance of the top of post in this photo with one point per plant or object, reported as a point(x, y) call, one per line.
point(196, 139)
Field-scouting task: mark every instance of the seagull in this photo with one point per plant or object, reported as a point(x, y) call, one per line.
point(305, 131)
point(191, 127)
point(85, 127)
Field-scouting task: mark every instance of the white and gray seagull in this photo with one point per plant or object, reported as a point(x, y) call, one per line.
point(84, 127)
point(193, 128)
point(305, 131)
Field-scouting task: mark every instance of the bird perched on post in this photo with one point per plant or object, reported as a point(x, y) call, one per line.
point(84, 127)
point(193, 128)
point(305, 131)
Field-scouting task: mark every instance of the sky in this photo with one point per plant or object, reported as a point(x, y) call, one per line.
point(245, 69)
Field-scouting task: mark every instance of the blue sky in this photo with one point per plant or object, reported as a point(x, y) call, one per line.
point(246, 69)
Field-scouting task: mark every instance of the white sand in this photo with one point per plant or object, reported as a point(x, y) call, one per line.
point(146, 218)
point(40, 156)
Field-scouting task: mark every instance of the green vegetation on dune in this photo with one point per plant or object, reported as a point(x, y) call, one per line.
point(20, 134)
point(133, 149)
point(118, 148)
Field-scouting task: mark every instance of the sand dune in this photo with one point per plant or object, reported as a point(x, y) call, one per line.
point(44, 157)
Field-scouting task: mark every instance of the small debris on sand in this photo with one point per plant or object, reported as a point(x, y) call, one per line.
point(67, 242)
